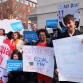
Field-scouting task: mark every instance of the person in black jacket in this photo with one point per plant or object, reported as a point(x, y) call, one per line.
point(63, 27)
point(70, 26)
point(16, 76)
point(70, 31)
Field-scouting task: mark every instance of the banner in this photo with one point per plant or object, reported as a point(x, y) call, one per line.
point(69, 58)
point(4, 56)
point(53, 23)
point(38, 59)
point(68, 8)
point(30, 35)
point(14, 65)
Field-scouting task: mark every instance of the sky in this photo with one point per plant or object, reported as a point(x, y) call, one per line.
point(34, 0)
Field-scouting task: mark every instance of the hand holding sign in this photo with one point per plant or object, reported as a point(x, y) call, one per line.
point(30, 36)
point(14, 65)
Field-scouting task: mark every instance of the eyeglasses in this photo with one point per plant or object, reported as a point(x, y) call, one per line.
point(42, 35)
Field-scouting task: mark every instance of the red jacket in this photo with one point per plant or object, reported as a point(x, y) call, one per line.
point(11, 44)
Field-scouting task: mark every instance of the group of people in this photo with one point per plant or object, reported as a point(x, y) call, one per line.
point(16, 42)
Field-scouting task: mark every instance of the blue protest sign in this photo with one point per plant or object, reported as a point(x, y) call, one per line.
point(52, 23)
point(14, 65)
point(30, 35)
point(17, 26)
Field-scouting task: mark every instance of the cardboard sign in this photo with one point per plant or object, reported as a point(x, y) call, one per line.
point(4, 56)
point(38, 59)
point(68, 8)
point(30, 35)
point(52, 23)
point(17, 26)
point(14, 65)
point(69, 58)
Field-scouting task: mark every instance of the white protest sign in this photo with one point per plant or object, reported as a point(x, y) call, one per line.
point(69, 58)
point(1, 39)
point(68, 8)
point(11, 25)
point(38, 59)
point(4, 56)
point(5, 24)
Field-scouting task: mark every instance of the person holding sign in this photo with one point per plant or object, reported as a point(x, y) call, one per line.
point(34, 28)
point(71, 30)
point(16, 76)
point(42, 34)
point(9, 40)
point(31, 36)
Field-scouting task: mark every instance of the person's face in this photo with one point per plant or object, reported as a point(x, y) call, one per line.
point(1, 33)
point(15, 57)
point(15, 36)
point(34, 27)
point(42, 36)
point(70, 25)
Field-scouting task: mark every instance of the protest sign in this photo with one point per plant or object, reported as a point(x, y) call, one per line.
point(68, 8)
point(4, 56)
point(69, 58)
point(38, 59)
point(16, 26)
point(53, 23)
point(11, 25)
point(1, 39)
point(14, 65)
point(30, 35)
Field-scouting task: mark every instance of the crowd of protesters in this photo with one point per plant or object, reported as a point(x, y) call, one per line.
point(16, 42)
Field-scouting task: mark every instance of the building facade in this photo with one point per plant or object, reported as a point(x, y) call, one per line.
point(20, 9)
point(47, 9)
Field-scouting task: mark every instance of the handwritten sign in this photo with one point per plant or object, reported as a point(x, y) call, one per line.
point(30, 35)
point(68, 8)
point(52, 23)
point(14, 65)
point(4, 56)
point(69, 57)
point(38, 59)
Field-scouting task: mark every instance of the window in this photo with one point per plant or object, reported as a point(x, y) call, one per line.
point(34, 5)
point(30, 3)
point(28, 9)
point(27, 2)
point(81, 28)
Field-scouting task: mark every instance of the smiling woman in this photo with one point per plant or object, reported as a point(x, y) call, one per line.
point(69, 22)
